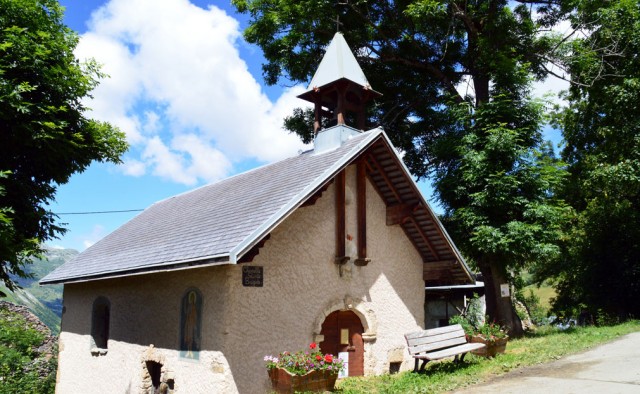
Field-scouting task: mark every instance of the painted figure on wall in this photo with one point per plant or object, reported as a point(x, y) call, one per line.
point(190, 324)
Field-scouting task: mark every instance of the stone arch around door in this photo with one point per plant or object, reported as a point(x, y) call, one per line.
point(358, 312)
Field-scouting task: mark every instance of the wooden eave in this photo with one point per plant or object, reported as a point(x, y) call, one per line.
point(407, 208)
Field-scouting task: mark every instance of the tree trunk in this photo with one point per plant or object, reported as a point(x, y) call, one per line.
point(500, 309)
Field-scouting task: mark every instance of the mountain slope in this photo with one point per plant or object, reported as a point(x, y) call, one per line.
point(44, 301)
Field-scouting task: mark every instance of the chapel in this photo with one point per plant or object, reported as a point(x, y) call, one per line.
point(333, 246)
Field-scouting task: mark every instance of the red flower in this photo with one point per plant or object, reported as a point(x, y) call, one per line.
point(312, 345)
point(328, 358)
point(318, 357)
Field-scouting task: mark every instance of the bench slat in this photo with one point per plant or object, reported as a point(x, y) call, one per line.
point(450, 351)
point(433, 331)
point(437, 338)
point(428, 347)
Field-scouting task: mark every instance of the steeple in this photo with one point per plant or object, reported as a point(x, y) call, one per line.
point(339, 89)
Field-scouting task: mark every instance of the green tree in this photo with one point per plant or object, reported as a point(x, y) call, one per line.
point(45, 136)
point(483, 148)
point(600, 271)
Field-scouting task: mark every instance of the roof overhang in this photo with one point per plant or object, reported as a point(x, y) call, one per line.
point(158, 268)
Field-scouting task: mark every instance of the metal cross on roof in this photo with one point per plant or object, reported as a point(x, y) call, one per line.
point(338, 23)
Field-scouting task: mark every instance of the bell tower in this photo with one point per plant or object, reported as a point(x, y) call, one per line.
point(339, 91)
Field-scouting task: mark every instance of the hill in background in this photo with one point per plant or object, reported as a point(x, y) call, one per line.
point(44, 301)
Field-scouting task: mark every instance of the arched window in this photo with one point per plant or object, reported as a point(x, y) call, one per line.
point(190, 319)
point(100, 323)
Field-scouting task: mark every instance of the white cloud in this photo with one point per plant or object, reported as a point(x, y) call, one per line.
point(133, 167)
point(181, 92)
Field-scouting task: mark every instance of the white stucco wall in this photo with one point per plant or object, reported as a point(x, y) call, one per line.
point(241, 325)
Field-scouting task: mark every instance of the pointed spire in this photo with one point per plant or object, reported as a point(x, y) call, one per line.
point(339, 86)
point(338, 62)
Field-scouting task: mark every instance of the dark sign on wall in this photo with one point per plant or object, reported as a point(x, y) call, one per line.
point(252, 276)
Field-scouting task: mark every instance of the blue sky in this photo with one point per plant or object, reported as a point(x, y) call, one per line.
point(188, 92)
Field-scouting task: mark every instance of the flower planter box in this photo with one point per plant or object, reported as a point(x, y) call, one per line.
point(492, 348)
point(284, 382)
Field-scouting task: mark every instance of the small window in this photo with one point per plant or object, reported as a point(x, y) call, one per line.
point(100, 323)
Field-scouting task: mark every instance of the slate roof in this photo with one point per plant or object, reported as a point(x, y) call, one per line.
point(214, 223)
point(220, 223)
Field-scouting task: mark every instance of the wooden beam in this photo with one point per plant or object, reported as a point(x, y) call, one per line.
point(424, 237)
point(361, 192)
point(366, 161)
point(385, 177)
point(317, 116)
point(439, 265)
point(435, 223)
point(340, 181)
point(397, 214)
point(444, 271)
point(254, 251)
point(438, 275)
point(340, 107)
point(315, 196)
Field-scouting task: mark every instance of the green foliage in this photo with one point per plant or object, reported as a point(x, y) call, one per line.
point(46, 136)
point(464, 322)
point(6, 226)
point(474, 323)
point(501, 191)
point(536, 312)
point(20, 367)
point(493, 174)
point(599, 273)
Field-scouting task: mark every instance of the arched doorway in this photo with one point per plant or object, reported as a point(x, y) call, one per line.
point(342, 331)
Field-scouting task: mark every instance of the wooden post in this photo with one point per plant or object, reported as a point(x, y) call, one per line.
point(361, 191)
point(361, 118)
point(317, 122)
point(340, 105)
point(341, 257)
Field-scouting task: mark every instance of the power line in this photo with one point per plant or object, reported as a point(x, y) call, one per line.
point(98, 212)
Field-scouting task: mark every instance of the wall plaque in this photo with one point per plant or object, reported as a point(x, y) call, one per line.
point(252, 276)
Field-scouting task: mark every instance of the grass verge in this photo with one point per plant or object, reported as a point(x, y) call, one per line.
point(542, 346)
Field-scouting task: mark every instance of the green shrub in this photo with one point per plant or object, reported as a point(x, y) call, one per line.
point(21, 370)
point(537, 313)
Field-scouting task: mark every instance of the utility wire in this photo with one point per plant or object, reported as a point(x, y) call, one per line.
point(98, 212)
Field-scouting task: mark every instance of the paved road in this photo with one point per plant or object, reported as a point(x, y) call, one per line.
point(610, 368)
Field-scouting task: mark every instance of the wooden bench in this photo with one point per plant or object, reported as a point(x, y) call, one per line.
point(437, 343)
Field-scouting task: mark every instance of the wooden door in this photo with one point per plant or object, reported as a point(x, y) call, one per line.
point(335, 342)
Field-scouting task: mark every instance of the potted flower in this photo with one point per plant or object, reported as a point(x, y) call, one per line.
point(477, 328)
point(305, 370)
point(493, 336)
